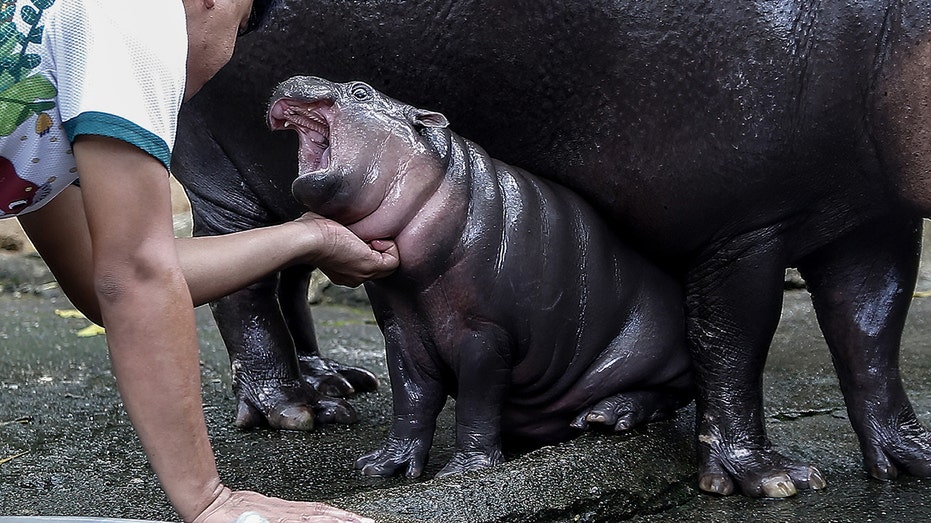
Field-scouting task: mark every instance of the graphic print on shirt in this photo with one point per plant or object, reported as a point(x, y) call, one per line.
point(23, 92)
point(15, 193)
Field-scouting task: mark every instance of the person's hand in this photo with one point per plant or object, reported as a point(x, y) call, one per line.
point(343, 257)
point(256, 508)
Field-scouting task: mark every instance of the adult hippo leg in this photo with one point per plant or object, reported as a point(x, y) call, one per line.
point(734, 297)
point(266, 378)
point(327, 376)
point(861, 287)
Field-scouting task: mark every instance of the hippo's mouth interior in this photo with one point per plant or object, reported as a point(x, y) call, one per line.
point(309, 120)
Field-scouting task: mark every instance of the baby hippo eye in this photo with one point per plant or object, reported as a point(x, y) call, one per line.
point(360, 92)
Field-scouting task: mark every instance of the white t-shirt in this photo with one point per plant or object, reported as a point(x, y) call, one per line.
point(70, 67)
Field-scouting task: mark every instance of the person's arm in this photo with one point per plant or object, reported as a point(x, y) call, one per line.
point(213, 266)
point(147, 310)
point(247, 256)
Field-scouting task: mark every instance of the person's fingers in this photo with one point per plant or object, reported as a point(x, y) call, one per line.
point(251, 507)
point(384, 246)
point(340, 514)
point(389, 261)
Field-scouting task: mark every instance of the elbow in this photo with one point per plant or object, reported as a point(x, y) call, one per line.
point(127, 287)
point(110, 287)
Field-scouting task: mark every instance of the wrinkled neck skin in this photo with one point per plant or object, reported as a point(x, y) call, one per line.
point(425, 205)
point(460, 216)
point(405, 184)
point(385, 181)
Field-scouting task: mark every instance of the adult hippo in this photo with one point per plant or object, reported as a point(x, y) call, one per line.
point(727, 140)
point(479, 307)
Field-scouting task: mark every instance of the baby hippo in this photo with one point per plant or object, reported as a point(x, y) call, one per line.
point(512, 295)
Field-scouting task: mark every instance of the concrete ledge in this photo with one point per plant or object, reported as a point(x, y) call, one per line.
point(605, 477)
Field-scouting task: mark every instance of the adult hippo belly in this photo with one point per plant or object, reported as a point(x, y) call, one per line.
point(727, 140)
point(479, 307)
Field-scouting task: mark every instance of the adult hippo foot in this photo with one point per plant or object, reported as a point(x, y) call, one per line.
point(407, 454)
point(902, 446)
point(463, 461)
point(626, 411)
point(755, 471)
point(332, 378)
point(288, 405)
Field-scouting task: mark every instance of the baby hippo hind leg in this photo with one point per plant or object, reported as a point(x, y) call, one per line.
point(627, 410)
point(642, 376)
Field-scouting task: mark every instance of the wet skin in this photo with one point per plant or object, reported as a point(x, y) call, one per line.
point(725, 140)
point(499, 299)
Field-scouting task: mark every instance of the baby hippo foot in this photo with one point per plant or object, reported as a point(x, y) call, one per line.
point(287, 405)
point(901, 446)
point(332, 378)
point(756, 472)
point(407, 454)
point(463, 461)
point(628, 410)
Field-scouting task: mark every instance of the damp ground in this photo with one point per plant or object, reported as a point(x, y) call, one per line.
point(66, 446)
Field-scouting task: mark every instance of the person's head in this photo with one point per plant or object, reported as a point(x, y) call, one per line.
point(212, 27)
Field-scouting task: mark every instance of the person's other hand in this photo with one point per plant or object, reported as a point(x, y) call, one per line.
point(256, 508)
point(343, 257)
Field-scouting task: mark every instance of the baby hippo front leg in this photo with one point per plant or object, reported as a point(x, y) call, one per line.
point(483, 373)
point(406, 448)
point(418, 398)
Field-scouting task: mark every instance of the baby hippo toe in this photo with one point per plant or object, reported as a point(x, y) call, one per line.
point(626, 411)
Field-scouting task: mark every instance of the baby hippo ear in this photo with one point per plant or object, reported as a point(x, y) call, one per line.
point(423, 118)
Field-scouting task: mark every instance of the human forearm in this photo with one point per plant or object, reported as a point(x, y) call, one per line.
point(139, 288)
point(156, 362)
point(216, 266)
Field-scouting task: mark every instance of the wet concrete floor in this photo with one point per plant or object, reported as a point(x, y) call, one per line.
point(66, 446)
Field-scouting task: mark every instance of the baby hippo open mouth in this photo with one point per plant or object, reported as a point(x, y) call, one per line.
point(309, 119)
point(361, 160)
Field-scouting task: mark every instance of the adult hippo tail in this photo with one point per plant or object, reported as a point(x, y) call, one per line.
point(498, 299)
point(727, 140)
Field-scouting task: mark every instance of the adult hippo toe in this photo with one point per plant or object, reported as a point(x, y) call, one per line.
point(727, 140)
point(498, 299)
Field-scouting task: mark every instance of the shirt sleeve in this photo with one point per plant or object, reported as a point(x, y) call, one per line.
point(121, 70)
